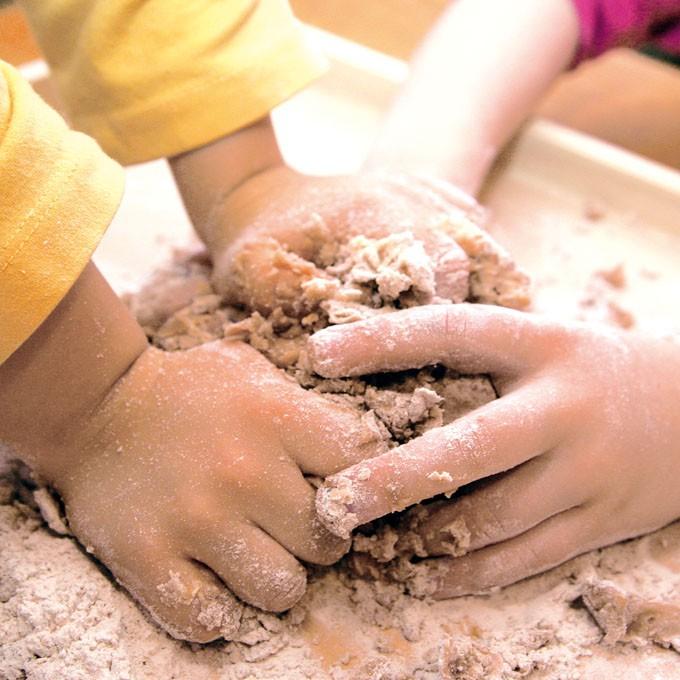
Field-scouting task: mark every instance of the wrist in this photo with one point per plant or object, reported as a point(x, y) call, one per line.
point(208, 175)
point(54, 381)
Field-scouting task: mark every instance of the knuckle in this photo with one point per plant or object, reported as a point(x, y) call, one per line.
point(454, 324)
point(196, 518)
point(554, 338)
point(244, 472)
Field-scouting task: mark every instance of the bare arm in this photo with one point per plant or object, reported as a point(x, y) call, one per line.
point(208, 174)
point(476, 77)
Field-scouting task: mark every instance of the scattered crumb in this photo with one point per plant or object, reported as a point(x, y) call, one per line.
point(619, 316)
point(601, 302)
point(623, 616)
point(614, 276)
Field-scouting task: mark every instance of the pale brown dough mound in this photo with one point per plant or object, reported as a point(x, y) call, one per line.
point(366, 277)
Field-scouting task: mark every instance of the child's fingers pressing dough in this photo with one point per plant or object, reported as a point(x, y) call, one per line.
point(269, 249)
point(191, 489)
point(580, 450)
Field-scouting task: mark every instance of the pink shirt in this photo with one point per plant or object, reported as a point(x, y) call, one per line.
point(616, 23)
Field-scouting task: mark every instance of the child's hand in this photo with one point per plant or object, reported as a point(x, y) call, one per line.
point(582, 448)
point(190, 479)
point(279, 212)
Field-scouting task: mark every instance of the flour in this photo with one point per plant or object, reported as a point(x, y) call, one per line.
point(63, 616)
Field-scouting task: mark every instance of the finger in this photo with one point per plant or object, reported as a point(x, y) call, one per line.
point(504, 508)
point(556, 540)
point(469, 338)
point(289, 517)
point(254, 566)
point(184, 598)
point(495, 437)
point(323, 436)
point(320, 434)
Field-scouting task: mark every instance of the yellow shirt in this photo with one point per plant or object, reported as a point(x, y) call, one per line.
point(146, 80)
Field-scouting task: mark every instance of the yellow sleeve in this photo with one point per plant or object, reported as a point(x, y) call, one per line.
point(58, 194)
point(154, 78)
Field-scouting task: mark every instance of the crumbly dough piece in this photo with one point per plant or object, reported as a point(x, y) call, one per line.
point(623, 616)
point(494, 277)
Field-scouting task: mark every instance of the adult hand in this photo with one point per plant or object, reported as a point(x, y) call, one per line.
point(582, 448)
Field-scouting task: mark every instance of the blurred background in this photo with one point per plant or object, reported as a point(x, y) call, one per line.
point(629, 98)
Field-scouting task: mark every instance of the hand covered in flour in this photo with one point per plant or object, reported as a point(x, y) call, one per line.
point(279, 229)
point(182, 472)
point(270, 230)
point(582, 449)
point(191, 485)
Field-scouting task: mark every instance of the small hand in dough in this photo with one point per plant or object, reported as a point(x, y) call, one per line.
point(189, 484)
point(280, 228)
point(582, 449)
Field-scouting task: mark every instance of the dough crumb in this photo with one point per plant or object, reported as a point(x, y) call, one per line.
point(455, 538)
point(333, 504)
point(440, 476)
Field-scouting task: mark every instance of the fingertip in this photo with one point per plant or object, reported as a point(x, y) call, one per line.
point(190, 604)
point(330, 547)
point(289, 588)
point(334, 506)
point(325, 349)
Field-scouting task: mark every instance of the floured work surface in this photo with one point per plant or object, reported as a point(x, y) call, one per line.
point(62, 616)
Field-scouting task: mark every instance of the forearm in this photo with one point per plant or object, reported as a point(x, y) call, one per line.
point(65, 369)
point(208, 174)
point(473, 81)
